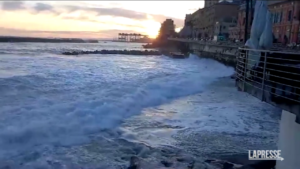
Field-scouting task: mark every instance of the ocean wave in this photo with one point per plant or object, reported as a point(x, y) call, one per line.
point(68, 106)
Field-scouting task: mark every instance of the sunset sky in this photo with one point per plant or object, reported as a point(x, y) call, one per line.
point(90, 19)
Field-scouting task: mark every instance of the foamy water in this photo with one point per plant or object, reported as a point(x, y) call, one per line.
point(88, 109)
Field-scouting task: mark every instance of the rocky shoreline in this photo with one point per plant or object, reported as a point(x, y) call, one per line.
point(121, 52)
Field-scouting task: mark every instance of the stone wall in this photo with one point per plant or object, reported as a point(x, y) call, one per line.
point(222, 53)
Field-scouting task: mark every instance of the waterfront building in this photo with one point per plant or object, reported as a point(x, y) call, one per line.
point(238, 32)
point(222, 27)
point(214, 14)
point(285, 18)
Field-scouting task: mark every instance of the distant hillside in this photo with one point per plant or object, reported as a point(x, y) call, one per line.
point(4, 39)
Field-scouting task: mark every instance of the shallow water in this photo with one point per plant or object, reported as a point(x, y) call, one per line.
point(96, 110)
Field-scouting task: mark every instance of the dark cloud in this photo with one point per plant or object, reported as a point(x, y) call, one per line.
point(12, 5)
point(39, 7)
point(42, 7)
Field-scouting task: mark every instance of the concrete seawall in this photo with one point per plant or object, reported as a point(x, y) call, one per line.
point(221, 52)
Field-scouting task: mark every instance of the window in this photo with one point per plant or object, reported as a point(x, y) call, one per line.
point(280, 17)
point(290, 16)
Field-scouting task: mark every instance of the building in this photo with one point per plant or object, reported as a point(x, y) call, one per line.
point(208, 3)
point(188, 19)
point(198, 17)
point(238, 32)
point(213, 14)
point(202, 22)
point(222, 27)
point(285, 19)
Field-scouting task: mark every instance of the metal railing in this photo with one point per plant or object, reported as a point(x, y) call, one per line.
point(272, 76)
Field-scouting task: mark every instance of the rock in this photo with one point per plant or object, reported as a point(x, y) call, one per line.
point(167, 163)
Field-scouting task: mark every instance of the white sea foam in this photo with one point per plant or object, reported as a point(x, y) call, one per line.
point(63, 101)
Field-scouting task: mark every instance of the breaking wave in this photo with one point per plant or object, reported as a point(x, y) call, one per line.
point(65, 102)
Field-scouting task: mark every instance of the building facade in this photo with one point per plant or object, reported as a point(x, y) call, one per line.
point(213, 14)
point(238, 32)
point(285, 19)
point(202, 22)
point(285, 15)
point(222, 27)
point(208, 3)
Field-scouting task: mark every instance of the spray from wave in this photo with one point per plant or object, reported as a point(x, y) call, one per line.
point(64, 121)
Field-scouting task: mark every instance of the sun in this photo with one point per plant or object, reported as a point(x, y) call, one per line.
point(151, 28)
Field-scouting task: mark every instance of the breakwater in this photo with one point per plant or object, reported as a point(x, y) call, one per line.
point(121, 52)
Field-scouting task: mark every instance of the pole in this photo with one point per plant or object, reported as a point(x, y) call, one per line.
point(252, 11)
point(291, 27)
point(246, 23)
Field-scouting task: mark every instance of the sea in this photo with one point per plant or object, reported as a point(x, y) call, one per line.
point(97, 111)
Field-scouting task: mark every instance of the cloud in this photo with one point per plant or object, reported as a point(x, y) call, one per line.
point(161, 18)
point(95, 11)
point(12, 5)
point(120, 12)
point(90, 19)
point(103, 34)
point(117, 12)
point(39, 7)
